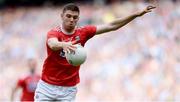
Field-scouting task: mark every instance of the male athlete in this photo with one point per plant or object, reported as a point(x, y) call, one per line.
point(59, 78)
point(28, 83)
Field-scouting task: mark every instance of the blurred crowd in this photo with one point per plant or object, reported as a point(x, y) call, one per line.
point(139, 62)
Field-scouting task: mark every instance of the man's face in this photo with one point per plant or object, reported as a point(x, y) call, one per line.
point(70, 18)
point(32, 64)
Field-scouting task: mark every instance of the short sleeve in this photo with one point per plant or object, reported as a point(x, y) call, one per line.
point(21, 83)
point(52, 34)
point(90, 31)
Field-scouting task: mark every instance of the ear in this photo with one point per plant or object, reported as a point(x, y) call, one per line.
point(62, 15)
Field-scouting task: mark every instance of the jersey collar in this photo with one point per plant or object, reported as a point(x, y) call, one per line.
point(67, 33)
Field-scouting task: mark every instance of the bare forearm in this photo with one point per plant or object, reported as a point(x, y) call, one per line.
point(55, 44)
point(118, 23)
point(123, 21)
point(13, 93)
point(114, 25)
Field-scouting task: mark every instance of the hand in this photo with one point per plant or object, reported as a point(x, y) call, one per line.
point(147, 9)
point(68, 47)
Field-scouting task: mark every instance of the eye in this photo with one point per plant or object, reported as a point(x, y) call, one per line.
point(68, 16)
point(75, 17)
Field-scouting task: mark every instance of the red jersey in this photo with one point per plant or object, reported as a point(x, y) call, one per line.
point(28, 85)
point(56, 69)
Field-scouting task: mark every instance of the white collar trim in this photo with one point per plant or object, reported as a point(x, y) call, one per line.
point(67, 33)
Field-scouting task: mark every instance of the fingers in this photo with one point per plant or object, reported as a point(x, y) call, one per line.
point(69, 48)
point(150, 7)
point(67, 51)
point(74, 42)
point(72, 47)
point(149, 10)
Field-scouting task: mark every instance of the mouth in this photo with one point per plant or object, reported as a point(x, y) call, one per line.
point(71, 24)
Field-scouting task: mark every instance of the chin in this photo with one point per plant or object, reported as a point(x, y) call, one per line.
point(71, 26)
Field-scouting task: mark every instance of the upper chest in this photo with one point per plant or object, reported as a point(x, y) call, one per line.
point(78, 36)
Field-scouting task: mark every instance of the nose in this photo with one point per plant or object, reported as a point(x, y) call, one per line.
point(71, 19)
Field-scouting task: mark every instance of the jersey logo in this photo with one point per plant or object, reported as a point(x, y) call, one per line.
point(77, 38)
point(32, 86)
point(62, 53)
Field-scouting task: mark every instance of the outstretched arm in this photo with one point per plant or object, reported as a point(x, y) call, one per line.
point(13, 93)
point(118, 23)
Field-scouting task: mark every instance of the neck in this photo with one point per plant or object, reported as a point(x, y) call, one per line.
point(32, 71)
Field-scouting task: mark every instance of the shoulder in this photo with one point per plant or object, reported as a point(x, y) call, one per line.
point(22, 78)
point(86, 26)
point(55, 30)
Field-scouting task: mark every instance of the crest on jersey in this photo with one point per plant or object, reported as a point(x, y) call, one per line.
point(77, 38)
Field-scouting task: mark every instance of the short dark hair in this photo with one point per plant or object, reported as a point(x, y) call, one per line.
point(71, 6)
